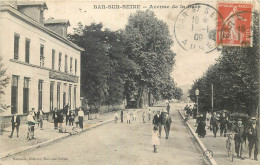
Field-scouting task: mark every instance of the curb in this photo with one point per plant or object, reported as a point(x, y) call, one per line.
point(22, 149)
point(202, 146)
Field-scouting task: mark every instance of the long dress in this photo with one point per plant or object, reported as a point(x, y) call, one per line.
point(155, 138)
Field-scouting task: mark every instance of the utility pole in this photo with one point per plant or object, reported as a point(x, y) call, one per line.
point(212, 98)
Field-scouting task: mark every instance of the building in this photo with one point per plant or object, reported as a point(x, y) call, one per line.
point(43, 65)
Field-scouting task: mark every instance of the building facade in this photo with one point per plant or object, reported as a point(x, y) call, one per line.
point(42, 64)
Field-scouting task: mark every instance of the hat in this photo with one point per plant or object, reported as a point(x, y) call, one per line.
point(253, 118)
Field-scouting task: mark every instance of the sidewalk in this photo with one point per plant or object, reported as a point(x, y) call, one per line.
point(218, 147)
point(14, 145)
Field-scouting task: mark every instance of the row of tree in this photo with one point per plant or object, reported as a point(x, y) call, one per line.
point(235, 79)
point(126, 64)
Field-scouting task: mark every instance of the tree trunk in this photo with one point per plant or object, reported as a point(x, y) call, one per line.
point(139, 98)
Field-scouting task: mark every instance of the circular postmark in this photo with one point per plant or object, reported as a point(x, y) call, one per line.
point(208, 154)
point(195, 27)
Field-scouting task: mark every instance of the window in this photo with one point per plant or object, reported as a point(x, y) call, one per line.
point(75, 96)
point(16, 46)
point(71, 65)
point(76, 66)
point(14, 94)
point(51, 95)
point(27, 50)
point(70, 96)
point(59, 61)
point(42, 55)
point(58, 95)
point(53, 59)
point(66, 63)
point(26, 95)
point(40, 94)
point(64, 94)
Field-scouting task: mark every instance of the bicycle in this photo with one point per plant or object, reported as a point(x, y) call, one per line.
point(30, 133)
point(116, 118)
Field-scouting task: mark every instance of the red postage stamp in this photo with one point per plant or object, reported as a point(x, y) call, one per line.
point(236, 29)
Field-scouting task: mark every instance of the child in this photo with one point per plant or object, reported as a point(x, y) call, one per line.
point(155, 138)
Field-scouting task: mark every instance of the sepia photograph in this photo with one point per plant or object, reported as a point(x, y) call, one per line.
point(131, 82)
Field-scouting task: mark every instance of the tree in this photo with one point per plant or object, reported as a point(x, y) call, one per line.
point(148, 42)
point(4, 80)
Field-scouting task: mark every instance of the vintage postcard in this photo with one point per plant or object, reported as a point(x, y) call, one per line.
point(102, 82)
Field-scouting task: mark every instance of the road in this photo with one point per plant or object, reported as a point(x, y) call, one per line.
point(116, 144)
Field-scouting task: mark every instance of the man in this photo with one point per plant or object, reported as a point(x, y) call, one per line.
point(34, 114)
point(168, 108)
point(214, 123)
point(223, 124)
point(40, 116)
point(167, 125)
point(55, 118)
point(157, 120)
point(60, 121)
point(67, 113)
point(31, 124)
point(122, 116)
point(81, 116)
point(71, 117)
point(239, 139)
point(253, 138)
point(15, 124)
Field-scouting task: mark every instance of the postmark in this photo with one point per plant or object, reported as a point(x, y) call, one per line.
point(195, 27)
point(208, 154)
point(236, 29)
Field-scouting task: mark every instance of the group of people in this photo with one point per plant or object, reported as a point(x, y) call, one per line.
point(242, 130)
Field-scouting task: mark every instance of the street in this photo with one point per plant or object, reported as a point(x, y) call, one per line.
point(119, 143)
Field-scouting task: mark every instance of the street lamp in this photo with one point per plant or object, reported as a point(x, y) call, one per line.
point(197, 92)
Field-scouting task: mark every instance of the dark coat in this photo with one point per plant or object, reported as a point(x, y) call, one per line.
point(253, 133)
point(157, 120)
point(169, 121)
point(38, 114)
point(53, 115)
point(17, 121)
point(240, 134)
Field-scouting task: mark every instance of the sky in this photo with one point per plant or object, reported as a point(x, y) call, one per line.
point(189, 65)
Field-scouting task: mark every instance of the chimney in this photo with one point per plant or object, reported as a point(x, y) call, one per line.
point(58, 25)
point(33, 9)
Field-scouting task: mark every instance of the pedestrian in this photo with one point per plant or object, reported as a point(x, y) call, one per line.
point(71, 117)
point(143, 116)
point(115, 117)
point(201, 126)
point(81, 117)
point(239, 139)
point(67, 113)
point(34, 115)
point(223, 124)
point(157, 121)
point(60, 121)
point(167, 125)
point(77, 120)
point(55, 118)
point(253, 138)
point(155, 138)
point(15, 124)
point(208, 116)
point(190, 110)
point(40, 116)
point(128, 118)
point(214, 123)
point(168, 108)
point(122, 116)
point(149, 115)
point(134, 116)
point(31, 124)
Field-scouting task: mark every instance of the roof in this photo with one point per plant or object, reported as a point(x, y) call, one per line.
point(32, 3)
point(57, 21)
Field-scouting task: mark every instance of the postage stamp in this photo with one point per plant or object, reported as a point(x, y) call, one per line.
point(236, 30)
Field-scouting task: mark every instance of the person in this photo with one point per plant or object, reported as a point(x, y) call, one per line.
point(143, 115)
point(149, 115)
point(134, 116)
point(201, 126)
point(194, 111)
point(116, 117)
point(71, 117)
point(15, 124)
point(208, 116)
point(190, 110)
point(214, 123)
point(167, 125)
point(40, 116)
point(55, 118)
point(34, 114)
point(223, 124)
point(81, 116)
point(155, 138)
point(67, 113)
point(31, 124)
point(253, 138)
point(122, 116)
point(157, 121)
point(239, 138)
point(168, 108)
point(128, 118)
point(60, 121)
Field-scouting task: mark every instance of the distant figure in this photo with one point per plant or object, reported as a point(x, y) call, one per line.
point(223, 124)
point(253, 138)
point(81, 117)
point(167, 125)
point(128, 118)
point(122, 116)
point(55, 118)
point(168, 108)
point(149, 115)
point(115, 117)
point(143, 116)
point(31, 124)
point(157, 120)
point(214, 123)
point(71, 117)
point(155, 138)
point(40, 116)
point(240, 138)
point(134, 116)
point(60, 121)
point(15, 124)
point(67, 113)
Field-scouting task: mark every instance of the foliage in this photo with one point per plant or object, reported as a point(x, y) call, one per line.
point(3, 83)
